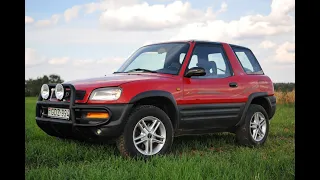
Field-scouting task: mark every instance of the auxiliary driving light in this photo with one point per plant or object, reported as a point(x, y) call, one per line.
point(59, 91)
point(45, 92)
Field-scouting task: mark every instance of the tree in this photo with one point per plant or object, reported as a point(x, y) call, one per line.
point(33, 86)
point(54, 78)
point(284, 87)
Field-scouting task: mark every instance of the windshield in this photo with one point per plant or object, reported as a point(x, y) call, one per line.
point(164, 58)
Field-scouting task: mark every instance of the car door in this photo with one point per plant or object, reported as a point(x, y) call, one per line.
point(216, 99)
point(191, 86)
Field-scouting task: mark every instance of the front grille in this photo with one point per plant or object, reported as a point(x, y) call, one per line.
point(79, 94)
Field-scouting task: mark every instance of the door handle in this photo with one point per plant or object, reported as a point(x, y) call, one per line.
point(233, 84)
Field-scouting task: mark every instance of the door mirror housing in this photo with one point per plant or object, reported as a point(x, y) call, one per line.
point(195, 71)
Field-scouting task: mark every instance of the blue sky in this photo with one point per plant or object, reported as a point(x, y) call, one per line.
point(84, 38)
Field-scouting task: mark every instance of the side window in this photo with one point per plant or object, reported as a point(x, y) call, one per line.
point(193, 61)
point(218, 59)
point(247, 60)
point(212, 59)
point(182, 55)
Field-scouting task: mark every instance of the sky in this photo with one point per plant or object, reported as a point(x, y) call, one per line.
point(79, 39)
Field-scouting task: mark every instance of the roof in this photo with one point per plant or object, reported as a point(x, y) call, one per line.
point(190, 40)
point(199, 41)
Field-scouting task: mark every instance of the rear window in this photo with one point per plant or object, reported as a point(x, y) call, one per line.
point(247, 60)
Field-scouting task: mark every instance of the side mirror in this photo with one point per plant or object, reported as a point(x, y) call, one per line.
point(196, 71)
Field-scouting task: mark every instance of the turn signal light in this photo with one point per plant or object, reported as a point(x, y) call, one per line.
point(97, 115)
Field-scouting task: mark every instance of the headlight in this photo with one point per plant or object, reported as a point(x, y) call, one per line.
point(59, 91)
point(45, 91)
point(106, 94)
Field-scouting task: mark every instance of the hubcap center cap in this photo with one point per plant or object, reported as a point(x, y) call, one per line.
point(149, 135)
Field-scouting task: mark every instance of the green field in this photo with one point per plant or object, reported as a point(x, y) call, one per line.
point(194, 157)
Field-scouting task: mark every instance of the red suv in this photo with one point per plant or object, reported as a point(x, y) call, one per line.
point(163, 91)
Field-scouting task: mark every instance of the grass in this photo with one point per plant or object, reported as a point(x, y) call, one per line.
point(194, 157)
point(284, 97)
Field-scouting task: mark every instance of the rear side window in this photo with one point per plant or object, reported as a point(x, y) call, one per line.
point(248, 61)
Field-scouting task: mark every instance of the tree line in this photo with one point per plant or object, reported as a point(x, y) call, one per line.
point(32, 86)
point(284, 87)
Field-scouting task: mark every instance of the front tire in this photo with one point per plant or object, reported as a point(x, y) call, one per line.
point(148, 132)
point(255, 129)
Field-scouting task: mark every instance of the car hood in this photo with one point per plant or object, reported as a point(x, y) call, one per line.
point(114, 80)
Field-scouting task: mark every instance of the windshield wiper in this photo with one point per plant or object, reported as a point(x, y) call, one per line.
point(139, 69)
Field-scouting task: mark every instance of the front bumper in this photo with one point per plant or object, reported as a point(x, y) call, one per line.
point(77, 126)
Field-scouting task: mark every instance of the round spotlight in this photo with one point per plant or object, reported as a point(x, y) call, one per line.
point(59, 92)
point(45, 91)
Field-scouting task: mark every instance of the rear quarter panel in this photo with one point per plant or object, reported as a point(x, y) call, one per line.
point(251, 83)
point(266, 85)
point(256, 83)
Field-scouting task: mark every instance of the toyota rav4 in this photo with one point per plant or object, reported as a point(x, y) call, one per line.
point(162, 91)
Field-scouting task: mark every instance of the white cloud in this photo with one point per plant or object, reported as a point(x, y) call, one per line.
point(154, 17)
point(113, 61)
point(42, 23)
point(271, 36)
point(164, 0)
point(114, 4)
point(223, 8)
point(59, 61)
point(83, 62)
point(285, 53)
point(28, 20)
point(147, 43)
point(217, 30)
point(32, 58)
point(101, 5)
point(111, 64)
point(55, 18)
point(281, 7)
point(250, 26)
point(92, 35)
point(91, 7)
point(279, 15)
point(72, 13)
point(48, 22)
point(267, 44)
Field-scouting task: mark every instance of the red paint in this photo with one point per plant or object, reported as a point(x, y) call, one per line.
point(192, 91)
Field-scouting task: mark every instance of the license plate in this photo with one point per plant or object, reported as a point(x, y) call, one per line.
point(58, 113)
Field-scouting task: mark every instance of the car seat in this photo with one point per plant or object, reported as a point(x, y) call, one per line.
point(208, 65)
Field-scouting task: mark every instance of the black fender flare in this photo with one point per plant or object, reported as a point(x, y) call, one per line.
point(248, 103)
point(158, 93)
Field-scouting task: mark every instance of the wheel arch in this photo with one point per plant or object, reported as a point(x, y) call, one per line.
point(259, 98)
point(162, 99)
